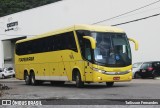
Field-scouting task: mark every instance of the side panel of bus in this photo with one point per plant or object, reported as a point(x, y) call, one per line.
point(53, 65)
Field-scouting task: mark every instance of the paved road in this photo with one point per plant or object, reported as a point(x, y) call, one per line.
point(136, 89)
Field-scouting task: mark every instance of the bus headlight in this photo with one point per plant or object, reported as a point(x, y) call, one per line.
point(98, 70)
point(129, 70)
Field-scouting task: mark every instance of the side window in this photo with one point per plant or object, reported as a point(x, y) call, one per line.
point(156, 65)
point(28, 47)
point(52, 43)
point(33, 46)
point(45, 45)
point(57, 43)
point(23, 48)
point(80, 34)
point(60, 42)
point(145, 66)
point(69, 41)
point(17, 49)
point(38, 45)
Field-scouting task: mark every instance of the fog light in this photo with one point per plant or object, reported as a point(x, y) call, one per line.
point(100, 78)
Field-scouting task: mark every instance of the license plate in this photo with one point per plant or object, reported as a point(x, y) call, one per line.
point(116, 78)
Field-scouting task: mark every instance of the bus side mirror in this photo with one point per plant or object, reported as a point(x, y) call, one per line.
point(135, 42)
point(92, 40)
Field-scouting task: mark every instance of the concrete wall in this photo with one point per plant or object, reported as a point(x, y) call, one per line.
point(7, 52)
point(68, 12)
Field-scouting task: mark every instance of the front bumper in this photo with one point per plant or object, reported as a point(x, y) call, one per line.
point(99, 77)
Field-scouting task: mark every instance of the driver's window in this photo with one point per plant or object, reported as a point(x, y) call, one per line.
point(87, 49)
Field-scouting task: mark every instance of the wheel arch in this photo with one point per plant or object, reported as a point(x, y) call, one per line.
point(31, 71)
point(74, 73)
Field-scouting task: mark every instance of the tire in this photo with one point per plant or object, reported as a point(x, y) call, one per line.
point(79, 82)
point(136, 76)
point(109, 84)
point(13, 76)
point(33, 80)
point(27, 79)
point(3, 77)
point(154, 75)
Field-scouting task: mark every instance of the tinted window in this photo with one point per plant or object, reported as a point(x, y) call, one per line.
point(52, 43)
point(112, 49)
point(146, 65)
point(80, 34)
point(69, 41)
point(87, 51)
point(10, 68)
point(156, 64)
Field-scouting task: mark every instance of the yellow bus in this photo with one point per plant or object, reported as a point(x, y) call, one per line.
point(80, 53)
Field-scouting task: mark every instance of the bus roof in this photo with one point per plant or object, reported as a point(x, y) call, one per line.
point(97, 28)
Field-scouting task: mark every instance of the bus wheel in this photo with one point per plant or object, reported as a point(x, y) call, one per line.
point(27, 79)
point(33, 81)
point(79, 82)
point(109, 84)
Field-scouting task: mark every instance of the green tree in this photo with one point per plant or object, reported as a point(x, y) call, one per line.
point(12, 6)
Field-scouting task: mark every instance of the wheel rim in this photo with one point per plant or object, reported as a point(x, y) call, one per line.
point(32, 79)
point(27, 78)
point(77, 80)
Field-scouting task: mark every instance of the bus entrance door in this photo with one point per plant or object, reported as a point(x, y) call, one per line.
point(88, 71)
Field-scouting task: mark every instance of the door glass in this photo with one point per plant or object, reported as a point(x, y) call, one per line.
point(87, 49)
point(145, 66)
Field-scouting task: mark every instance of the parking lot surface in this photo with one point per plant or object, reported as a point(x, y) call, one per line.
point(136, 89)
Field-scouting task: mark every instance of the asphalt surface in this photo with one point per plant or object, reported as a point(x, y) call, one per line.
point(95, 94)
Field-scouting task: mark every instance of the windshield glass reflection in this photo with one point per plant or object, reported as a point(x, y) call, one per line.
point(112, 49)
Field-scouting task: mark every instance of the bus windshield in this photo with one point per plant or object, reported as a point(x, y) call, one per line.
point(112, 49)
